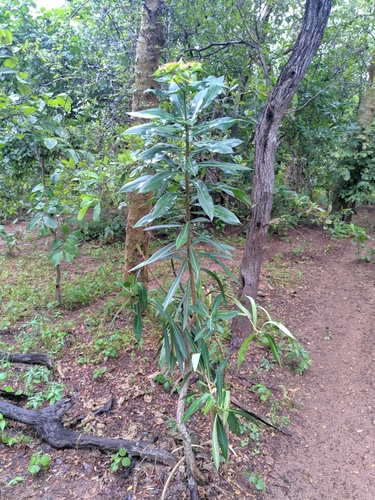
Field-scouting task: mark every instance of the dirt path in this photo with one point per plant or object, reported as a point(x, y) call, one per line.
point(331, 453)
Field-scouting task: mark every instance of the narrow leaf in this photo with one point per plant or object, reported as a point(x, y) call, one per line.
point(183, 236)
point(204, 198)
point(195, 360)
point(274, 348)
point(226, 215)
point(243, 350)
point(222, 437)
point(175, 285)
point(215, 444)
point(163, 253)
point(281, 327)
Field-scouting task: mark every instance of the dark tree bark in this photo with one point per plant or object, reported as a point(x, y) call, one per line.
point(29, 359)
point(147, 61)
point(313, 27)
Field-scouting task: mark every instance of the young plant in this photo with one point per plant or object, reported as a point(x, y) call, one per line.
point(119, 459)
point(174, 166)
point(256, 479)
point(267, 332)
point(37, 461)
point(9, 239)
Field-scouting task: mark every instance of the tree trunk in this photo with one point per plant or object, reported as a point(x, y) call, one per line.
point(147, 62)
point(313, 27)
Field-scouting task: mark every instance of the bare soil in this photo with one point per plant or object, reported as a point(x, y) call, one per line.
point(326, 297)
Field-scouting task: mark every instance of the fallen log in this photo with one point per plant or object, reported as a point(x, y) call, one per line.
point(47, 424)
point(29, 359)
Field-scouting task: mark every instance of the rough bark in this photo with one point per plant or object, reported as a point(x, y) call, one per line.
point(313, 27)
point(47, 424)
point(29, 359)
point(147, 62)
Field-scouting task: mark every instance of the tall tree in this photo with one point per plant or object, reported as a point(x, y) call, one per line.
point(147, 62)
point(314, 23)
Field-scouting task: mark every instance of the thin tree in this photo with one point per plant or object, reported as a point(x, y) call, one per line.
point(147, 61)
point(314, 23)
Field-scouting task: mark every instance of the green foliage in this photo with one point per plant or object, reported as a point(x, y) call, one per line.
point(266, 333)
point(298, 357)
point(16, 480)
point(9, 239)
point(119, 460)
point(38, 461)
point(290, 209)
point(180, 144)
point(356, 168)
point(256, 479)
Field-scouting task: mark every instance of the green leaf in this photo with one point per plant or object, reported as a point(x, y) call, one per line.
point(242, 413)
point(82, 213)
point(50, 143)
point(155, 181)
point(235, 192)
point(219, 376)
point(158, 113)
point(34, 222)
point(205, 97)
point(96, 214)
point(126, 462)
point(274, 348)
point(195, 360)
point(163, 253)
point(137, 322)
point(226, 215)
point(8, 70)
point(175, 285)
point(196, 404)
point(215, 444)
point(223, 147)
point(183, 236)
point(233, 423)
point(56, 245)
point(56, 257)
point(243, 349)
point(222, 437)
point(162, 206)
point(73, 155)
point(50, 222)
point(46, 461)
point(151, 153)
point(136, 184)
point(177, 99)
point(204, 198)
point(281, 327)
point(216, 278)
point(33, 469)
point(194, 262)
point(226, 167)
point(140, 129)
point(142, 294)
point(223, 123)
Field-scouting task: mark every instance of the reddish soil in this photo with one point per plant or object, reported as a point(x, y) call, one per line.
point(329, 452)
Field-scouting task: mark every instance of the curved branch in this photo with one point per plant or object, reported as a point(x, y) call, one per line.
point(47, 423)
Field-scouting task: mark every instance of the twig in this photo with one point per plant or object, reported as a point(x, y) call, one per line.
point(170, 477)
